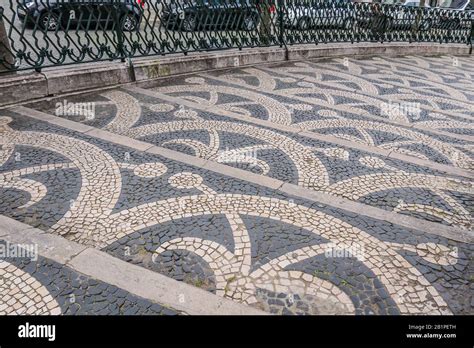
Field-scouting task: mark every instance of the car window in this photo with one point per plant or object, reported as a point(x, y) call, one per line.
point(214, 2)
point(445, 3)
point(454, 4)
point(341, 3)
point(458, 3)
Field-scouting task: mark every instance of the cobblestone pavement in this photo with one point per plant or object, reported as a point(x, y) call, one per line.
point(390, 133)
point(42, 286)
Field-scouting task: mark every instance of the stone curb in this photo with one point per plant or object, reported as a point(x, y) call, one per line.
point(134, 279)
point(303, 52)
point(449, 232)
point(64, 81)
point(18, 88)
point(168, 66)
point(24, 87)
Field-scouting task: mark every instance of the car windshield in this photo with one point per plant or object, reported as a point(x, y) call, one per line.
point(415, 4)
point(452, 3)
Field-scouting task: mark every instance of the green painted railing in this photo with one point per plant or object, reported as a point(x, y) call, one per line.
point(43, 33)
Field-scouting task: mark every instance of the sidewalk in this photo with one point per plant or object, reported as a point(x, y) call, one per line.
point(233, 193)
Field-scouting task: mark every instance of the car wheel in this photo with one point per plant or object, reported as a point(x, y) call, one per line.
point(303, 24)
point(129, 22)
point(189, 23)
point(249, 22)
point(49, 21)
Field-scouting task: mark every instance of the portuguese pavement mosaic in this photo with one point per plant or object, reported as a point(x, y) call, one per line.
point(240, 240)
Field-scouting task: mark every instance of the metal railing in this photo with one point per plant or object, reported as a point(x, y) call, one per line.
point(43, 33)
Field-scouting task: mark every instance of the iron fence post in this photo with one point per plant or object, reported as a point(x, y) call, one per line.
point(470, 39)
point(280, 22)
point(119, 31)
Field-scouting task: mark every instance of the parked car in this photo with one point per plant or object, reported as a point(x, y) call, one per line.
point(448, 22)
point(460, 5)
point(398, 15)
point(60, 14)
point(405, 18)
point(303, 15)
point(191, 15)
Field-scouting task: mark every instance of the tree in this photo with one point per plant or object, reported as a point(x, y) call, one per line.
point(266, 8)
point(6, 57)
point(419, 16)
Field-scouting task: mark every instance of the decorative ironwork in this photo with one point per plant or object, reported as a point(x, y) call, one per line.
point(44, 33)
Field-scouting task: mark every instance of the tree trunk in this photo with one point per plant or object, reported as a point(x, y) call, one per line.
point(266, 22)
point(6, 57)
point(419, 17)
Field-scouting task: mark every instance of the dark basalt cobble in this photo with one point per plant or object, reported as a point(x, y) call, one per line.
point(269, 238)
point(357, 281)
point(404, 71)
point(27, 156)
point(139, 247)
point(63, 187)
point(294, 304)
point(348, 164)
point(77, 294)
point(374, 107)
point(395, 199)
point(231, 141)
point(59, 107)
point(313, 112)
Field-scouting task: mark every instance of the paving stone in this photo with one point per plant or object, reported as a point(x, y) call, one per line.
point(239, 239)
point(59, 294)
